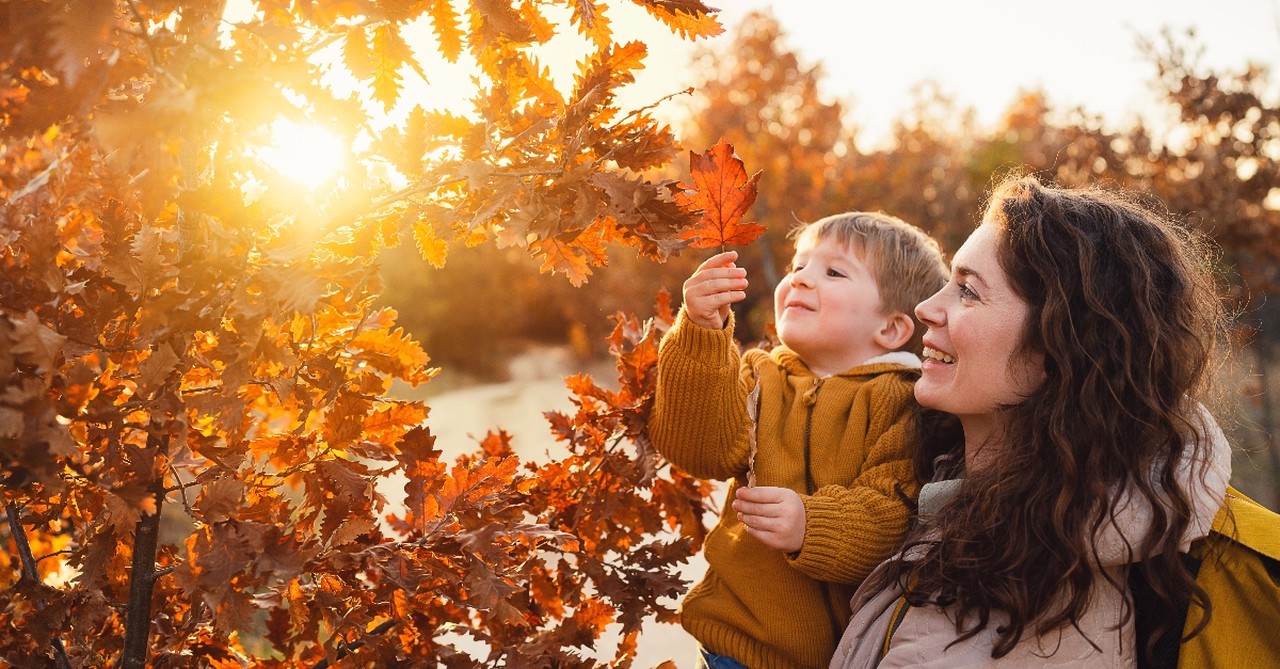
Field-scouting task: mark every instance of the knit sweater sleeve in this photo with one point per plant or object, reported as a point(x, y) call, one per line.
point(699, 420)
point(849, 530)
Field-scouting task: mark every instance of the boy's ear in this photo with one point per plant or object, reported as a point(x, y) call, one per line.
point(895, 332)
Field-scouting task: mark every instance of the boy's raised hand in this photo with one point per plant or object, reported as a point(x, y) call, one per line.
point(773, 515)
point(715, 285)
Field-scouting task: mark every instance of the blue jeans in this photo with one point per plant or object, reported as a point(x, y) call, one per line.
point(713, 661)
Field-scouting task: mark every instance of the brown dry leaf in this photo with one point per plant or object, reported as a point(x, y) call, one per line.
point(35, 342)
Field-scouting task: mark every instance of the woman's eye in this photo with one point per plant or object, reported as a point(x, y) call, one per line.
point(966, 293)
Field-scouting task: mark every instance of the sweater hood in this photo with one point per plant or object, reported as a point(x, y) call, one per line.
point(1205, 479)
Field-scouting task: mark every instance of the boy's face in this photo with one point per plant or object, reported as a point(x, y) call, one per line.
point(828, 307)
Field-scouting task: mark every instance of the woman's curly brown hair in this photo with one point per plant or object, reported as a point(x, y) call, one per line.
point(1125, 313)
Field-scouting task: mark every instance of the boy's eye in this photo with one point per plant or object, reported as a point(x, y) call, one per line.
point(835, 273)
point(796, 267)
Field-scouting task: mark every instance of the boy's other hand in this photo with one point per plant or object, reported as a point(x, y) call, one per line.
point(773, 515)
point(715, 285)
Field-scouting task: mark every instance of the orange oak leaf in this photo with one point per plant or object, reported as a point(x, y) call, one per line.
point(591, 21)
point(690, 18)
point(432, 248)
point(444, 23)
point(722, 193)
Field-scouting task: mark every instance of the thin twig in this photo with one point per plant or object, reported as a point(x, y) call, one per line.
point(29, 571)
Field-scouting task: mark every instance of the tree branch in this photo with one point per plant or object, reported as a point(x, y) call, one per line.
point(345, 650)
point(29, 571)
point(146, 541)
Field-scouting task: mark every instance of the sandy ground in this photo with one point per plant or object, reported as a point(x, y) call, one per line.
point(459, 418)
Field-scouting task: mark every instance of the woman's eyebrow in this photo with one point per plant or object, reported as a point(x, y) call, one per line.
point(968, 273)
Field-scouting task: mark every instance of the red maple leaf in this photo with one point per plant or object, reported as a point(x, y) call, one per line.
point(723, 193)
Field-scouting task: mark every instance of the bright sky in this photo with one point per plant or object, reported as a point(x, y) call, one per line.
point(983, 53)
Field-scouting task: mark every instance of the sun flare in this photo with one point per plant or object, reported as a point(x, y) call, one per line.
point(305, 153)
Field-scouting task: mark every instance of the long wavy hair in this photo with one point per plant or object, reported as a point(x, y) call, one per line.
point(1126, 315)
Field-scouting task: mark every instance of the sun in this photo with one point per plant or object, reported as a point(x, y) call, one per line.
point(305, 153)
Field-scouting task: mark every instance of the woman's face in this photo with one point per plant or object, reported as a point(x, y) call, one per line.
point(972, 359)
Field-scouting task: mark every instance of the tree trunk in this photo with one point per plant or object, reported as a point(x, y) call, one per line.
point(142, 577)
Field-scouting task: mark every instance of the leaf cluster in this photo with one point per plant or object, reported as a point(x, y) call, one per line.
point(195, 375)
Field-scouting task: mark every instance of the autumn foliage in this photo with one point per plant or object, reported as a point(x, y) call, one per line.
point(195, 380)
point(724, 194)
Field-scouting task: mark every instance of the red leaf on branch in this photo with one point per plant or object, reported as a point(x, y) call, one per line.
point(723, 193)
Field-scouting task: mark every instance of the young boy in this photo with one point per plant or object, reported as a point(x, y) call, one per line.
point(822, 483)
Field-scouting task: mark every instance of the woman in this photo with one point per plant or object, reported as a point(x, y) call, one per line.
point(1068, 351)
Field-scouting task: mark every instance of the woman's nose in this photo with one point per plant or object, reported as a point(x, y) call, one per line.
point(930, 311)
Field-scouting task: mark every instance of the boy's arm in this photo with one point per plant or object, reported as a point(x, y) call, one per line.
point(850, 530)
point(699, 420)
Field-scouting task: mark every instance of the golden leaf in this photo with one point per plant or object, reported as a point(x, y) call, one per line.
point(444, 22)
point(389, 53)
point(433, 249)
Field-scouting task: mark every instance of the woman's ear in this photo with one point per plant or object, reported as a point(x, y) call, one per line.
point(895, 332)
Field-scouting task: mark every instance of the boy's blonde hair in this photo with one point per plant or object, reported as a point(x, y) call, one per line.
point(907, 264)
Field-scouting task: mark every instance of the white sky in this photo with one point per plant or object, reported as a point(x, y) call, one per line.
point(983, 53)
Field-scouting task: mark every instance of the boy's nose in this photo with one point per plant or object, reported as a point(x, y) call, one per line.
point(801, 277)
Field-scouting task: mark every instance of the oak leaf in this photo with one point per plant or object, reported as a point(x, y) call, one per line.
point(500, 16)
point(491, 592)
point(591, 21)
point(690, 18)
point(156, 368)
point(723, 193)
point(572, 258)
point(299, 611)
point(357, 55)
point(349, 530)
point(444, 23)
point(390, 51)
point(35, 342)
point(220, 500)
point(432, 248)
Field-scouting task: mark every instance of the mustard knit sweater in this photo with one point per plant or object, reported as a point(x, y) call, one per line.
point(840, 442)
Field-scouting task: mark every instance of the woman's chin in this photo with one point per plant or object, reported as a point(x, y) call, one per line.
point(927, 395)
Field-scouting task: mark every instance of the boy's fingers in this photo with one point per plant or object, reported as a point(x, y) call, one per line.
point(720, 259)
point(758, 523)
point(758, 510)
point(767, 523)
point(763, 509)
point(715, 286)
point(760, 494)
point(724, 274)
